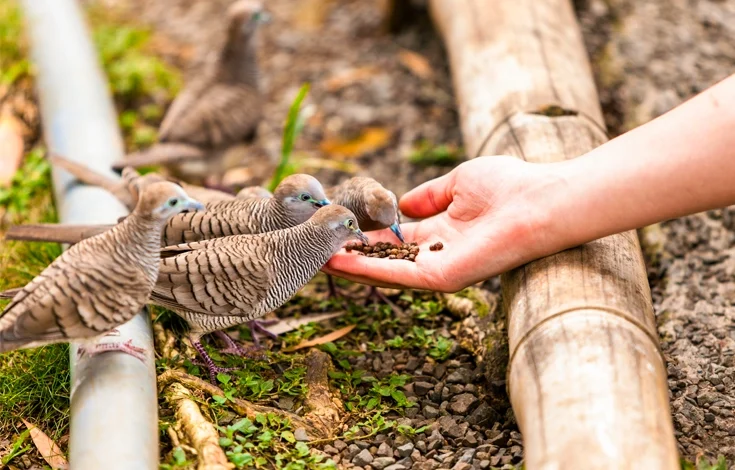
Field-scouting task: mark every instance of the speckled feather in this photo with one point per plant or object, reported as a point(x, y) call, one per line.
point(227, 281)
point(94, 286)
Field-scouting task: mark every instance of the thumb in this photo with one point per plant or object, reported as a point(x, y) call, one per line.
point(429, 198)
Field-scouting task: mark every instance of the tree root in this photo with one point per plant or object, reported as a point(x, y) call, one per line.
point(242, 407)
point(475, 301)
point(200, 432)
point(323, 405)
point(197, 429)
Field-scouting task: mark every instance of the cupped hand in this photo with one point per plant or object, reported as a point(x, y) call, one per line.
point(488, 213)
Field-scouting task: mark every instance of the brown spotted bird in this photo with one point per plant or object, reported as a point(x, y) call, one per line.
point(220, 108)
point(216, 284)
point(97, 284)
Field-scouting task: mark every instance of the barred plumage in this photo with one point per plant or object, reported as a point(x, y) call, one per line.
point(97, 284)
point(374, 206)
point(219, 283)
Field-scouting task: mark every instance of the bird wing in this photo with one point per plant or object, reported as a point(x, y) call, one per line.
point(75, 297)
point(213, 115)
point(226, 276)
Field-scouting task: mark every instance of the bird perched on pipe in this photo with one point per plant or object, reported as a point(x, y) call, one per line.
point(220, 108)
point(219, 283)
point(97, 284)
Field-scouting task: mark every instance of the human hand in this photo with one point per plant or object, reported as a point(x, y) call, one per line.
point(488, 213)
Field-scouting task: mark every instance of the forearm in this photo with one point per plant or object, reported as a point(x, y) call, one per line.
point(680, 163)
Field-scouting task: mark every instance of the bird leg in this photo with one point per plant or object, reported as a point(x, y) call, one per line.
point(208, 362)
point(258, 326)
point(234, 348)
point(126, 347)
point(375, 293)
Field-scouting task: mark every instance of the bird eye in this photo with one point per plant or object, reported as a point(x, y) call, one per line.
point(172, 202)
point(305, 197)
point(350, 223)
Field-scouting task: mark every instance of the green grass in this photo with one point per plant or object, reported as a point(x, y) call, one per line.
point(704, 464)
point(293, 127)
point(427, 154)
point(13, 62)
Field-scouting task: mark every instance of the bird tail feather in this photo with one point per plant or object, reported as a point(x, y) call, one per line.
point(59, 233)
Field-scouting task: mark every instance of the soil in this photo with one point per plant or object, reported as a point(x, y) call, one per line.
point(648, 56)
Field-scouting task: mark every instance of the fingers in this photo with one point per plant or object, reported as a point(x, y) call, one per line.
point(429, 198)
point(376, 271)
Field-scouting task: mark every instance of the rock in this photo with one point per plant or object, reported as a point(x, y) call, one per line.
point(384, 450)
point(364, 457)
point(405, 462)
point(381, 462)
point(436, 394)
point(396, 466)
point(301, 435)
point(362, 444)
point(462, 466)
point(460, 376)
point(330, 450)
point(439, 371)
point(484, 463)
point(483, 414)
point(446, 393)
point(470, 440)
point(462, 403)
point(286, 403)
point(430, 412)
point(451, 428)
point(405, 450)
point(422, 388)
point(435, 440)
point(340, 445)
point(412, 364)
point(353, 450)
point(421, 446)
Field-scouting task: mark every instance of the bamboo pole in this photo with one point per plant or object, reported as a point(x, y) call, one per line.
point(586, 377)
point(114, 408)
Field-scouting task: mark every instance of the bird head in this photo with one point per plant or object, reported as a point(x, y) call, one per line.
point(301, 195)
point(162, 199)
point(134, 181)
point(245, 16)
point(342, 221)
point(382, 207)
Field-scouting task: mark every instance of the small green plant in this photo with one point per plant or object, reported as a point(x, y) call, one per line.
point(18, 448)
point(266, 442)
point(13, 63)
point(427, 154)
point(704, 464)
point(437, 346)
point(178, 460)
point(293, 127)
point(29, 182)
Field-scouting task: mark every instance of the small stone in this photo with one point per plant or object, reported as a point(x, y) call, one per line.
point(421, 446)
point(405, 450)
point(462, 403)
point(422, 388)
point(430, 412)
point(301, 435)
point(364, 457)
point(484, 463)
point(395, 466)
point(384, 450)
point(412, 365)
point(709, 417)
point(362, 444)
point(460, 376)
point(483, 414)
point(435, 440)
point(381, 462)
point(353, 450)
point(286, 403)
point(330, 450)
point(470, 440)
point(439, 371)
point(462, 466)
point(340, 445)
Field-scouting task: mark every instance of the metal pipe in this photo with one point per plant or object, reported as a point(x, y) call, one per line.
point(114, 421)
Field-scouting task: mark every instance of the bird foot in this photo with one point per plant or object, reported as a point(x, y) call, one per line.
point(126, 347)
point(258, 327)
point(237, 350)
point(207, 362)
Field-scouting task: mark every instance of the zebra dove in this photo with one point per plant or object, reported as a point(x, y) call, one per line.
point(253, 191)
point(375, 206)
point(295, 200)
point(98, 284)
point(219, 283)
point(220, 108)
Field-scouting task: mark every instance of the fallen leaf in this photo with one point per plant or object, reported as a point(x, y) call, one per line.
point(349, 77)
point(48, 449)
point(416, 64)
point(333, 336)
point(11, 146)
point(290, 324)
point(370, 140)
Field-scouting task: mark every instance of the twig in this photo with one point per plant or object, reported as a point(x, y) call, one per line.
point(323, 405)
point(240, 406)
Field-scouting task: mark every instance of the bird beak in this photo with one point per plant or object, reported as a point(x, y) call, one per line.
point(395, 228)
point(193, 205)
point(322, 203)
point(363, 238)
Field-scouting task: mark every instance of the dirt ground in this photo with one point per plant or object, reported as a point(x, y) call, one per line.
point(648, 56)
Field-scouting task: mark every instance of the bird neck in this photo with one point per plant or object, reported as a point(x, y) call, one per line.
point(140, 234)
point(278, 215)
point(238, 61)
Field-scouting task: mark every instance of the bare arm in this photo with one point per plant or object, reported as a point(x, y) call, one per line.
point(508, 212)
